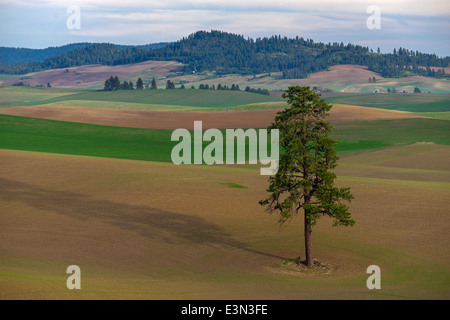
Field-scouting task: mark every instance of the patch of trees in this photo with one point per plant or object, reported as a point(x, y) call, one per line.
point(20, 84)
point(227, 53)
point(170, 85)
point(114, 84)
point(259, 91)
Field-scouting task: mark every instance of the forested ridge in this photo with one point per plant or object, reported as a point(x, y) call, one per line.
point(15, 55)
point(226, 53)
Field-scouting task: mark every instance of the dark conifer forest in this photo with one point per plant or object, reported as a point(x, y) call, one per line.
point(226, 53)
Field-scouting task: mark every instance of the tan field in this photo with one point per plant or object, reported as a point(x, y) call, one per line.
point(144, 230)
point(173, 120)
point(339, 78)
point(93, 74)
point(345, 71)
point(347, 74)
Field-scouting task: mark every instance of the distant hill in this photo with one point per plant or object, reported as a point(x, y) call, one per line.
point(11, 55)
point(15, 55)
point(227, 53)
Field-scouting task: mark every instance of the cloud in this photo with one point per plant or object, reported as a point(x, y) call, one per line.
point(140, 22)
point(187, 21)
point(390, 7)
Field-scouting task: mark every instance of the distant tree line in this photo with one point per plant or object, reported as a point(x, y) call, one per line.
point(227, 53)
point(259, 91)
point(113, 84)
point(21, 84)
point(233, 87)
point(394, 90)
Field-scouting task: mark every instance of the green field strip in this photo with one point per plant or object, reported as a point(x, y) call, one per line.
point(435, 115)
point(403, 131)
point(401, 102)
point(31, 134)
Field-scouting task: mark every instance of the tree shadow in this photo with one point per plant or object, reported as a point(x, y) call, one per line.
point(152, 223)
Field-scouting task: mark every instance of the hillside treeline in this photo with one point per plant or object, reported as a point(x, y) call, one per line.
point(227, 53)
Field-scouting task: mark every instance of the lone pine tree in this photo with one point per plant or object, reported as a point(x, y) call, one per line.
point(305, 181)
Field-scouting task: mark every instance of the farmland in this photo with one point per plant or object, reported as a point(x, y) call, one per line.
point(141, 230)
point(95, 191)
point(338, 78)
point(180, 98)
point(30, 134)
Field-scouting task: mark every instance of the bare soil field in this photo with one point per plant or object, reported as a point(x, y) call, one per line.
point(92, 74)
point(345, 71)
point(145, 230)
point(174, 120)
point(336, 75)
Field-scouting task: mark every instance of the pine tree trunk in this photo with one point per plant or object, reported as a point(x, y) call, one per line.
point(308, 243)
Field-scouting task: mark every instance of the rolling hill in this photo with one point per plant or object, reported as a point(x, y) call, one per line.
point(227, 53)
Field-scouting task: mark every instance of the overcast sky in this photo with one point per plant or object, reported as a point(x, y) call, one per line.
point(412, 24)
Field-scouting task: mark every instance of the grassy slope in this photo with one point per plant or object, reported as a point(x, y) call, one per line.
point(435, 115)
point(164, 107)
point(20, 133)
point(31, 95)
point(186, 98)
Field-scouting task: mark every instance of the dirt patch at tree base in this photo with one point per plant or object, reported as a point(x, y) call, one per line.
point(299, 265)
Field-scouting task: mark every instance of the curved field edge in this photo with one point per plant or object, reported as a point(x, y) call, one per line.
point(185, 98)
point(435, 115)
point(162, 107)
point(32, 96)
